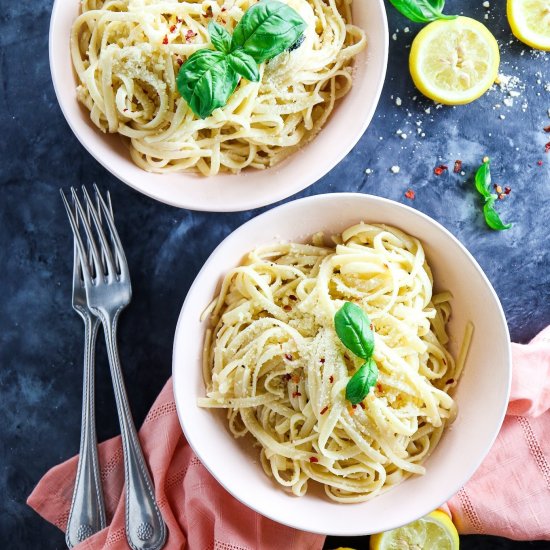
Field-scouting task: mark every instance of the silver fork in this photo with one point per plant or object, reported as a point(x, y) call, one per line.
point(87, 513)
point(108, 292)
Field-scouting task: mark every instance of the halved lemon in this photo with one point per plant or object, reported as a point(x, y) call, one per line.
point(530, 22)
point(434, 531)
point(454, 61)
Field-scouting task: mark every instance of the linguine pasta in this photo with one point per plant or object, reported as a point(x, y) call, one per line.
point(273, 360)
point(127, 54)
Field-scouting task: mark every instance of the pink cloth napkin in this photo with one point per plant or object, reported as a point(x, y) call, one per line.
point(508, 496)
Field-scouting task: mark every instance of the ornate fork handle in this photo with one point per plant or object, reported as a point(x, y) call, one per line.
point(87, 514)
point(145, 528)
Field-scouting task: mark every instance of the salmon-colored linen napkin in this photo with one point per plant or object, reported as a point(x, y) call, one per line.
point(508, 496)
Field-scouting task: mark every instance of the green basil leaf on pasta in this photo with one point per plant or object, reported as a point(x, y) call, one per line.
point(361, 382)
point(422, 11)
point(206, 81)
point(353, 328)
point(267, 29)
point(220, 38)
point(492, 218)
point(244, 64)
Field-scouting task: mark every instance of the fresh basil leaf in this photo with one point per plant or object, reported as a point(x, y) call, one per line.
point(422, 11)
point(267, 29)
point(220, 38)
point(206, 81)
point(492, 218)
point(361, 382)
point(483, 179)
point(244, 64)
point(353, 328)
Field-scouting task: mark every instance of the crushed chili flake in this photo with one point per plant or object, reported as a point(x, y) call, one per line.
point(287, 376)
point(288, 357)
point(292, 297)
point(125, 109)
point(539, 162)
point(313, 459)
point(458, 166)
point(438, 170)
point(410, 194)
point(362, 405)
point(224, 8)
point(179, 61)
point(296, 378)
point(547, 148)
point(296, 394)
point(189, 35)
point(331, 379)
point(209, 12)
point(179, 19)
point(173, 28)
point(165, 39)
point(547, 129)
point(322, 360)
point(498, 188)
point(379, 386)
point(507, 190)
point(324, 410)
point(287, 308)
point(501, 196)
point(371, 326)
point(450, 381)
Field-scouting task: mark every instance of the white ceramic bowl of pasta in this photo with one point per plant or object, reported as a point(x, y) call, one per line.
point(251, 188)
point(482, 394)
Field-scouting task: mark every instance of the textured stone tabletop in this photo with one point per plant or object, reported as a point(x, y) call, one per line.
point(41, 336)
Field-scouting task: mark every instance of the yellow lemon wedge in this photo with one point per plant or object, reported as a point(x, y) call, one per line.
point(436, 530)
point(530, 22)
point(454, 61)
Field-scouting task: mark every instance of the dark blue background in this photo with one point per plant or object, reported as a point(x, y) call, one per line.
point(41, 336)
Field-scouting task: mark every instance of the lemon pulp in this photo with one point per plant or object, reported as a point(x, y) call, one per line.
point(454, 61)
point(530, 22)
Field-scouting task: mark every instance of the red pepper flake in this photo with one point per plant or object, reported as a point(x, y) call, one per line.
point(296, 394)
point(547, 148)
point(410, 194)
point(507, 190)
point(498, 188)
point(501, 196)
point(209, 12)
point(450, 381)
point(331, 379)
point(287, 376)
point(124, 110)
point(224, 8)
point(287, 307)
point(322, 360)
point(371, 326)
point(165, 39)
point(438, 170)
point(173, 28)
point(362, 405)
point(547, 129)
point(379, 386)
point(179, 19)
point(292, 297)
point(189, 35)
point(539, 162)
point(313, 459)
point(288, 357)
point(324, 410)
point(458, 166)
point(179, 61)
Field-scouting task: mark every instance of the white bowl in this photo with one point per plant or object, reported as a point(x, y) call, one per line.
point(482, 393)
point(251, 188)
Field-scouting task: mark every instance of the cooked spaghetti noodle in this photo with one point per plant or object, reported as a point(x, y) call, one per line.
point(127, 54)
point(274, 361)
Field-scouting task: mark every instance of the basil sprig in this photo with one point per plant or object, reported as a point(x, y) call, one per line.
point(352, 326)
point(422, 11)
point(483, 186)
point(209, 77)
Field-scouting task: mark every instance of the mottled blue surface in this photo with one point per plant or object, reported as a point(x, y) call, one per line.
point(40, 335)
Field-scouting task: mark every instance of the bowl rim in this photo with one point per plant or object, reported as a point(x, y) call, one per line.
point(177, 373)
point(245, 203)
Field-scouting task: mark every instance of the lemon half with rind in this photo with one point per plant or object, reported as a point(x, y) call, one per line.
point(530, 22)
point(434, 531)
point(454, 61)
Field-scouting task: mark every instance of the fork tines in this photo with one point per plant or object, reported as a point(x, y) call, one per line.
point(105, 261)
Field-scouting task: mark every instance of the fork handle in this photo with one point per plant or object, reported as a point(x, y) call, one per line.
point(87, 513)
point(145, 528)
